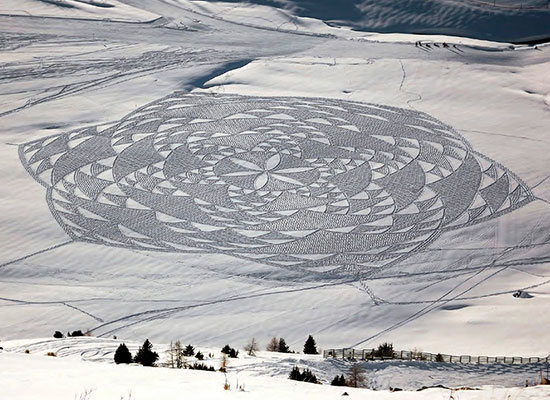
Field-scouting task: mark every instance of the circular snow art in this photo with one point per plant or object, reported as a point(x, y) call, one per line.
point(316, 185)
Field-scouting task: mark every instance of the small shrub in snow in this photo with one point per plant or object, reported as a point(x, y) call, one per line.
point(58, 335)
point(230, 351)
point(75, 333)
point(201, 367)
point(145, 355)
point(123, 355)
point(199, 356)
point(27, 351)
point(310, 347)
point(51, 354)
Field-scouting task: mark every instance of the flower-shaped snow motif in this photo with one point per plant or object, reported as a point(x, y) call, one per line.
point(314, 185)
point(267, 172)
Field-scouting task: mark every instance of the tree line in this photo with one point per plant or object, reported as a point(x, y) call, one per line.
point(177, 353)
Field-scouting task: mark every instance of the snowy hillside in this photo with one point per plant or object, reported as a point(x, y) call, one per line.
point(86, 365)
point(220, 174)
point(74, 378)
point(500, 20)
point(81, 9)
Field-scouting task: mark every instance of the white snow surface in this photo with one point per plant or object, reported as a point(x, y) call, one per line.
point(499, 20)
point(111, 10)
point(454, 296)
point(86, 364)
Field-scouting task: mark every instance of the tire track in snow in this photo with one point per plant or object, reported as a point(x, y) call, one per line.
point(163, 312)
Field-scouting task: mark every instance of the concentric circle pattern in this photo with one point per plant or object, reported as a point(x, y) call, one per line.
point(316, 185)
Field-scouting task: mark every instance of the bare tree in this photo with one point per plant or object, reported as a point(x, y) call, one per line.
point(175, 355)
point(273, 345)
point(171, 362)
point(252, 347)
point(356, 376)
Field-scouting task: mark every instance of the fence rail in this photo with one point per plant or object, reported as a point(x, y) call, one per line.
point(514, 4)
point(369, 354)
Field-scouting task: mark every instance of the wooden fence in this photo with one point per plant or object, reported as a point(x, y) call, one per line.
point(514, 4)
point(368, 354)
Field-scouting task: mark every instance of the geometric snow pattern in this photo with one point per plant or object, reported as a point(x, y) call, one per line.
point(314, 185)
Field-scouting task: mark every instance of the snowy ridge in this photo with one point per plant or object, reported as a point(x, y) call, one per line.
point(470, 19)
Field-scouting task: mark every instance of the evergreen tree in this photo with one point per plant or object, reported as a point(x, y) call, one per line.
point(385, 350)
point(145, 355)
point(283, 348)
point(123, 355)
point(189, 351)
point(295, 374)
point(306, 376)
point(310, 347)
point(339, 381)
point(199, 356)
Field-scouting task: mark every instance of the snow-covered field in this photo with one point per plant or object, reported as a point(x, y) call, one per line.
point(111, 10)
point(215, 172)
point(85, 364)
point(502, 20)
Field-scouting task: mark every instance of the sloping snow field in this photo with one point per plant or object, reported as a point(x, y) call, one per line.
point(111, 10)
point(214, 172)
point(501, 20)
point(85, 364)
